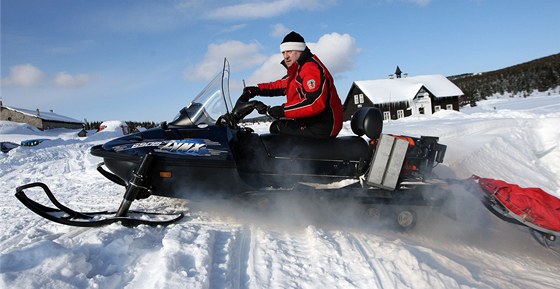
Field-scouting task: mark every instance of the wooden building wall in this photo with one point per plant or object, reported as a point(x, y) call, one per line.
point(15, 116)
point(350, 106)
point(11, 115)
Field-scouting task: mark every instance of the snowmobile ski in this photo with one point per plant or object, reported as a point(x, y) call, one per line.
point(66, 216)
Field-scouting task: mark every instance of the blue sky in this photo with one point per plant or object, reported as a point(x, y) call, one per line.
point(143, 60)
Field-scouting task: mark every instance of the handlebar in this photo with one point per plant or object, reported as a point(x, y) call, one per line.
point(241, 109)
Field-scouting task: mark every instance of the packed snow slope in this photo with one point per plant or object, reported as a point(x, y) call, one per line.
point(222, 244)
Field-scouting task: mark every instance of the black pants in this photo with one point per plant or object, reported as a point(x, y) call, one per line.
point(293, 127)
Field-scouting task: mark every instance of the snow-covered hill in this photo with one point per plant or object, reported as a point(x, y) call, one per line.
point(225, 245)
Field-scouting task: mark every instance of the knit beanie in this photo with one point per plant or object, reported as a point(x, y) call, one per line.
point(293, 41)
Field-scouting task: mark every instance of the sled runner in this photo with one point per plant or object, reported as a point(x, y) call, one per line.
point(531, 207)
point(207, 150)
point(66, 216)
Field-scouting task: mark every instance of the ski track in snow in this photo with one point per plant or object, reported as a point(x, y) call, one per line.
point(224, 245)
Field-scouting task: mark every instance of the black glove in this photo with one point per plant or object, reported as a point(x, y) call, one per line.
point(249, 92)
point(261, 107)
point(276, 111)
point(252, 91)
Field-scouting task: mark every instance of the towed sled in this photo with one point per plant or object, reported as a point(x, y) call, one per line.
point(531, 207)
point(208, 150)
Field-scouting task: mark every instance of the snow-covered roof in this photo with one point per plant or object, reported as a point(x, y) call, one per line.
point(404, 89)
point(44, 115)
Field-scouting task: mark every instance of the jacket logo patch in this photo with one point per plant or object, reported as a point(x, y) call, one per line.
point(311, 84)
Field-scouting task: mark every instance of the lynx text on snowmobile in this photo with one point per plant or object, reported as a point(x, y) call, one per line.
point(206, 151)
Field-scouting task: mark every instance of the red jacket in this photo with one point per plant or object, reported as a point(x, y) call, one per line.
point(311, 95)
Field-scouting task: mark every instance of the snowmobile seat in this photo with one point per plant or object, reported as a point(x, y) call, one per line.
point(368, 121)
point(347, 148)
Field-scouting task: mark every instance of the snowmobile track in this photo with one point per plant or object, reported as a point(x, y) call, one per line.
point(229, 258)
point(368, 254)
point(242, 266)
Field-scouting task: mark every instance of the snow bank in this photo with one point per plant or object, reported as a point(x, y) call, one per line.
point(10, 127)
point(114, 125)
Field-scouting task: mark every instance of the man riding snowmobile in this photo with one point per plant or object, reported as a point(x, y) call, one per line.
point(313, 108)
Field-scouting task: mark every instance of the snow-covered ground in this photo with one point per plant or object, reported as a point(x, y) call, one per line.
point(225, 245)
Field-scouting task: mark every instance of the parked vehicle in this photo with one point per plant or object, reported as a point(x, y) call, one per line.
point(32, 142)
point(7, 146)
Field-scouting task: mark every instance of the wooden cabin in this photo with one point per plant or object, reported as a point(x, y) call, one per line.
point(399, 97)
point(41, 119)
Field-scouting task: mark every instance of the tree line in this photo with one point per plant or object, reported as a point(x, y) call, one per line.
point(519, 80)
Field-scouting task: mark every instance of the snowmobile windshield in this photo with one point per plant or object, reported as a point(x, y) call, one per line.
point(211, 103)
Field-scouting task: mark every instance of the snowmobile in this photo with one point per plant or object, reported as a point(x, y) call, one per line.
point(210, 149)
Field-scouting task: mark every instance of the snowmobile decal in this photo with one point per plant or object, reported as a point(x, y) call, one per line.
point(146, 144)
point(120, 148)
point(194, 147)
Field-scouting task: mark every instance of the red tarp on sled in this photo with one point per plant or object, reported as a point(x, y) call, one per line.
point(532, 204)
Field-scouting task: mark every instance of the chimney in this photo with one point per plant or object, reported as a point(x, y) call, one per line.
point(398, 72)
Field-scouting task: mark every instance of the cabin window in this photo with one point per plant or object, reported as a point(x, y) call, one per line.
point(400, 113)
point(437, 108)
point(358, 98)
point(386, 115)
point(449, 107)
point(422, 94)
point(421, 110)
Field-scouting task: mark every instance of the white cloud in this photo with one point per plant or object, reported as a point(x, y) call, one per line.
point(337, 51)
point(258, 10)
point(189, 5)
point(240, 55)
point(144, 16)
point(269, 71)
point(418, 2)
point(233, 28)
point(279, 30)
point(25, 75)
point(64, 79)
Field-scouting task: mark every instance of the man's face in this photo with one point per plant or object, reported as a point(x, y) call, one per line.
point(291, 56)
